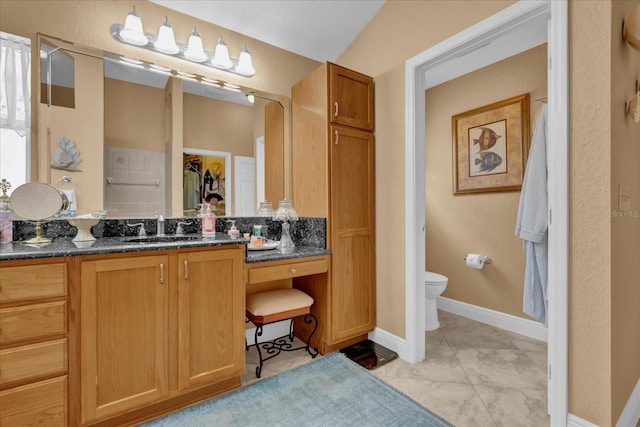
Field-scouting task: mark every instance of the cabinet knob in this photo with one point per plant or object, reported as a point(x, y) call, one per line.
point(335, 107)
point(336, 140)
point(162, 274)
point(186, 270)
point(293, 270)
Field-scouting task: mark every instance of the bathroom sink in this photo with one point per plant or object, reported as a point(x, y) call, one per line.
point(156, 239)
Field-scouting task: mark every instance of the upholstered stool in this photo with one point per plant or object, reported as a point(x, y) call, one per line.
point(276, 305)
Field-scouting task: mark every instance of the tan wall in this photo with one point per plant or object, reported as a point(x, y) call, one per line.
point(133, 115)
point(403, 29)
point(477, 223)
point(625, 221)
point(88, 139)
point(211, 124)
point(590, 196)
point(399, 31)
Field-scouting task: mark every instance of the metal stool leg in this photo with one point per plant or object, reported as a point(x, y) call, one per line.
point(308, 319)
point(257, 335)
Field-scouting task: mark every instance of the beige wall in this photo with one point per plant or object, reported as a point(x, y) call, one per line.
point(88, 139)
point(211, 124)
point(625, 221)
point(484, 222)
point(133, 115)
point(603, 253)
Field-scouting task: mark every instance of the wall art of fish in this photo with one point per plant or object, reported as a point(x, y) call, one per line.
point(487, 139)
point(488, 161)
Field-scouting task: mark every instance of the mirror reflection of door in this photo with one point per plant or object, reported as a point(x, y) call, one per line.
point(205, 182)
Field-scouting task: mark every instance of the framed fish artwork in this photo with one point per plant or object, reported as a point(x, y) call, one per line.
point(490, 146)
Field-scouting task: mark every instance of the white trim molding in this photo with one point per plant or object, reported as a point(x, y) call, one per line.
point(575, 421)
point(508, 322)
point(390, 341)
point(630, 415)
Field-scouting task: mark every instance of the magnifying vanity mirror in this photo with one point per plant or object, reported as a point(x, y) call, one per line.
point(35, 201)
point(146, 135)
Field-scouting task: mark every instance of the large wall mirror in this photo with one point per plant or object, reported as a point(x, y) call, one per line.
point(153, 140)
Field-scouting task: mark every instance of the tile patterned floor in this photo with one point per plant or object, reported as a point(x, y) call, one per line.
point(473, 374)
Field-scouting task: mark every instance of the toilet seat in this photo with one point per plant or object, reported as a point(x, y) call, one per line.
point(431, 278)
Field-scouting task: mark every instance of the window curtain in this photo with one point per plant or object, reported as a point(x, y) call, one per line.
point(15, 85)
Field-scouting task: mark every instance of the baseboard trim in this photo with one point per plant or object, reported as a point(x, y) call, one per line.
point(576, 421)
point(631, 413)
point(528, 328)
point(269, 332)
point(392, 342)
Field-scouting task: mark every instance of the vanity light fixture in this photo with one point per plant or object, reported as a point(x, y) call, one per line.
point(132, 33)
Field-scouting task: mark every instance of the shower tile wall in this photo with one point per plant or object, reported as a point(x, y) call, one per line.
point(138, 182)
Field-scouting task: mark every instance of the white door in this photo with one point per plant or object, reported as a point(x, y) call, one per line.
point(244, 184)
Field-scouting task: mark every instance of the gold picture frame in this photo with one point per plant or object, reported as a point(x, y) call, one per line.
point(490, 146)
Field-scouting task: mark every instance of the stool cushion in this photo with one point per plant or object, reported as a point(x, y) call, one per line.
point(278, 304)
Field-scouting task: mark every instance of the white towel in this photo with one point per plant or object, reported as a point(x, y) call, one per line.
point(532, 224)
point(71, 196)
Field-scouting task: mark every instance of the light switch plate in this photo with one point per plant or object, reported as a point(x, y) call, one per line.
point(624, 198)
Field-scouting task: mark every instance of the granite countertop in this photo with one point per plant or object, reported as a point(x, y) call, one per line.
point(274, 255)
point(66, 247)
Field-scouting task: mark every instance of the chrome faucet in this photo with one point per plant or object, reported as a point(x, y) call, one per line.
point(179, 229)
point(142, 232)
point(160, 226)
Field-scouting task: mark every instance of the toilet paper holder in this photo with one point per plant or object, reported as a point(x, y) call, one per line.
point(483, 259)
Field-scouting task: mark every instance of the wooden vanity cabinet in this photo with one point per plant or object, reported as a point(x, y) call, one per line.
point(210, 316)
point(124, 335)
point(333, 177)
point(33, 343)
point(159, 330)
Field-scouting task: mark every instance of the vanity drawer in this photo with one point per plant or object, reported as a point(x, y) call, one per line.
point(38, 404)
point(287, 271)
point(32, 321)
point(33, 361)
point(32, 281)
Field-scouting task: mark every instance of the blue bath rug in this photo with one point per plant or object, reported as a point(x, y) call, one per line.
point(330, 391)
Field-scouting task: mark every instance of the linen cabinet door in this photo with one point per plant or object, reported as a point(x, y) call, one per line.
point(210, 316)
point(124, 309)
point(351, 98)
point(352, 233)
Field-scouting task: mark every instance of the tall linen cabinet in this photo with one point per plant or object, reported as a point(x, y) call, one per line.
point(332, 158)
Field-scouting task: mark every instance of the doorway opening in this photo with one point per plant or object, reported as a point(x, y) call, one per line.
point(489, 41)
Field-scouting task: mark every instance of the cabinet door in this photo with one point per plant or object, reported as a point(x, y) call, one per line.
point(352, 232)
point(210, 316)
point(351, 98)
point(124, 333)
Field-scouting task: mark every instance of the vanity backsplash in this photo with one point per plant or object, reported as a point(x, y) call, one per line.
point(304, 232)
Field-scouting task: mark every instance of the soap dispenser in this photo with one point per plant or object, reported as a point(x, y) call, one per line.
point(6, 226)
point(234, 233)
point(208, 223)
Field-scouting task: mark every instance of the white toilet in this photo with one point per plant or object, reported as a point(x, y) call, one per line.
point(435, 285)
